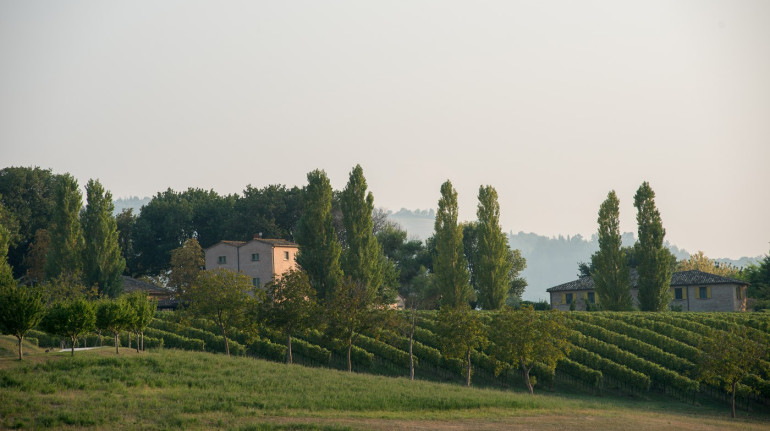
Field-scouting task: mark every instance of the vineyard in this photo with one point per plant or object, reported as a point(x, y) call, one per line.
point(629, 353)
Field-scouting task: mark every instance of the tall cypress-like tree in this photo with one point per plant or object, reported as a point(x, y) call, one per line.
point(450, 267)
point(610, 273)
point(65, 255)
point(361, 259)
point(103, 263)
point(655, 265)
point(319, 251)
point(492, 266)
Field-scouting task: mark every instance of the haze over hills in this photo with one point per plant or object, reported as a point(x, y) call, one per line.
point(550, 260)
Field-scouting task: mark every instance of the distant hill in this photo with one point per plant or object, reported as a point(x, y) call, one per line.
point(133, 202)
point(550, 260)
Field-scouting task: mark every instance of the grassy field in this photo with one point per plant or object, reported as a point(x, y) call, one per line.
point(187, 390)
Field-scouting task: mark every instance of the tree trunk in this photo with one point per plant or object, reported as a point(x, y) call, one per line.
point(526, 379)
point(224, 335)
point(21, 338)
point(117, 343)
point(129, 339)
point(350, 347)
point(468, 372)
point(73, 345)
point(101, 340)
point(411, 355)
point(732, 411)
point(142, 341)
point(289, 358)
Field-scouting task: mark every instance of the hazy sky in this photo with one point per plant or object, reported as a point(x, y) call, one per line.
point(552, 102)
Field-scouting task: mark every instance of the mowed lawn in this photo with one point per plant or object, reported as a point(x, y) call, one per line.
point(173, 389)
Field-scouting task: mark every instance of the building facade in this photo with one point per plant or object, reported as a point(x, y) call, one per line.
point(261, 259)
point(690, 291)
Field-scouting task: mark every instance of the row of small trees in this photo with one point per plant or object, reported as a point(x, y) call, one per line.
point(22, 309)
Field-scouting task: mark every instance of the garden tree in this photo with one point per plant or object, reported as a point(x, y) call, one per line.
point(492, 264)
point(273, 210)
point(350, 310)
point(66, 249)
point(516, 283)
point(103, 263)
point(610, 273)
point(408, 255)
point(143, 311)
point(758, 277)
point(700, 262)
point(527, 338)
point(187, 262)
point(66, 287)
point(450, 268)
point(222, 296)
point(289, 306)
point(729, 356)
point(70, 319)
point(319, 251)
point(6, 272)
point(20, 310)
point(125, 222)
point(361, 258)
point(210, 214)
point(36, 256)
point(114, 316)
point(460, 331)
point(655, 261)
point(28, 194)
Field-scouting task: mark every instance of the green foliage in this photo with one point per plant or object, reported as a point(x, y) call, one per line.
point(20, 310)
point(361, 257)
point(103, 263)
point(289, 306)
point(211, 341)
point(655, 261)
point(187, 262)
point(143, 310)
point(6, 273)
point(114, 316)
point(319, 251)
point(610, 273)
point(460, 332)
point(125, 223)
point(492, 264)
point(70, 319)
point(450, 268)
point(526, 338)
point(349, 311)
point(65, 255)
point(222, 296)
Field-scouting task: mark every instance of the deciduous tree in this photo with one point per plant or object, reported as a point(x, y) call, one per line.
point(527, 338)
point(460, 331)
point(349, 311)
point(20, 310)
point(66, 252)
point(187, 262)
point(103, 263)
point(143, 311)
point(289, 306)
point(449, 264)
point(319, 251)
point(115, 316)
point(70, 319)
point(610, 273)
point(492, 265)
point(655, 261)
point(700, 262)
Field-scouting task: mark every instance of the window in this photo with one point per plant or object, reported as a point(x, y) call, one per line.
point(255, 257)
point(739, 292)
point(704, 292)
point(568, 298)
point(285, 255)
point(591, 297)
point(255, 281)
point(222, 260)
point(678, 293)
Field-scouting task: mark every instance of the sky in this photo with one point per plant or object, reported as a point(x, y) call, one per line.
point(554, 103)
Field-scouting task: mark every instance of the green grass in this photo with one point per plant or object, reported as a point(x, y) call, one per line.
point(175, 389)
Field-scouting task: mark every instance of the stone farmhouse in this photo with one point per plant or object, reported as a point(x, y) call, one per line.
point(690, 290)
point(261, 259)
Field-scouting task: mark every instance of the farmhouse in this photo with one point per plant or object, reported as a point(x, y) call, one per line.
point(164, 297)
point(690, 291)
point(261, 259)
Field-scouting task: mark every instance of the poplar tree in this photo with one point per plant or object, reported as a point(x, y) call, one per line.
point(610, 273)
point(492, 265)
point(655, 264)
point(65, 255)
point(103, 263)
point(319, 251)
point(361, 259)
point(450, 267)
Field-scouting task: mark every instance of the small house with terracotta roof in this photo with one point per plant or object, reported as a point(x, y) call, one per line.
point(261, 259)
point(690, 291)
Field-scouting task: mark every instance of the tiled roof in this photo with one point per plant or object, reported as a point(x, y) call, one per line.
point(277, 242)
point(132, 285)
point(681, 278)
point(234, 243)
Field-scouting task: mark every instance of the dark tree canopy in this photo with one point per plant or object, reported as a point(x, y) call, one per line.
point(655, 261)
point(103, 263)
point(450, 267)
point(610, 273)
point(65, 255)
